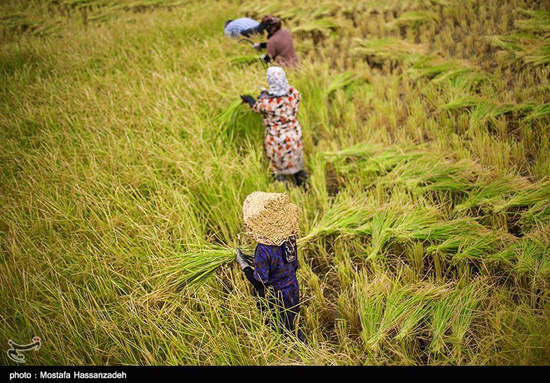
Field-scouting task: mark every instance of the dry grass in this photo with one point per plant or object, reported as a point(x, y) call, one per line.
point(127, 155)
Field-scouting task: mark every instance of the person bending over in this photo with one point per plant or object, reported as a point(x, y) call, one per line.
point(279, 45)
point(272, 221)
point(283, 141)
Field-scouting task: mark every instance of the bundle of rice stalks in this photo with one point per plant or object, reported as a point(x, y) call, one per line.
point(388, 48)
point(527, 48)
point(374, 158)
point(245, 60)
point(362, 150)
point(326, 9)
point(400, 311)
point(477, 244)
point(230, 114)
point(525, 197)
point(414, 19)
point(77, 4)
point(493, 194)
point(26, 22)
point(530, 256)
point(460, 73)
point(537, 215)
point(538, 23)
point(421, 225)
point(451, 318)
point(237, 122)
point(371, 310)
point(259, 9)
point(292, 13)
point(539, 112)
point(196, 266)
point(344, 217)
point(323, 26)
point(433, 172)
point(346, 80)
point(386, 224)
point(484, 109)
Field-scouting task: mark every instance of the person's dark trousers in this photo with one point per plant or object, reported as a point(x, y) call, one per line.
point(280, 312)
point(250, 31)
point(301, 178)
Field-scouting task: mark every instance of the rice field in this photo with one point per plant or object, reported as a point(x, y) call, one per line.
point(126, 155)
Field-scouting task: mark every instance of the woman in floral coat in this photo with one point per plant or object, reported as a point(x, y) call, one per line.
point(283, 134)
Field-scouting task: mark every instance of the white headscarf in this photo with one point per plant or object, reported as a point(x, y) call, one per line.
point(278, 84)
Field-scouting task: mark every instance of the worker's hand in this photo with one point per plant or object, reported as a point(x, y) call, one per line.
point(240, 260)
point(256, 46)
point(248, 99)
point(266, 58)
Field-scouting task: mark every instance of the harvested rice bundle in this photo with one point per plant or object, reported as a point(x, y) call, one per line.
point(397, 312)
point(525, 197)
point(488, 194)
point(372, 157)
point(196, 266)
point(539, 21)
point(433, 172)
point(344, 217)
point(439, 70)
point(245, 60)
point(345, 80)
point(529, 256)
point(477, 244)
point(388, 48)
point(451, 317)
point(420, 224)
point(324, 26)
point(235, 122)
point(527, 48)
point(538, 215)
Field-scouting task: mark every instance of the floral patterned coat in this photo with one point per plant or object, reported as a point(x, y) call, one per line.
point(283, 134)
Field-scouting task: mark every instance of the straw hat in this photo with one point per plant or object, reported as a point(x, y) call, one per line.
point(270, 218)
